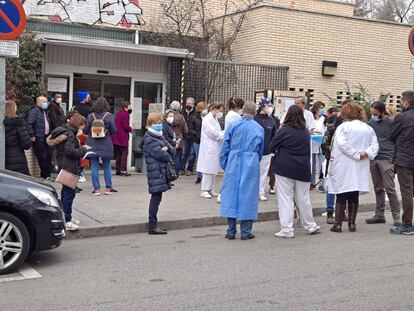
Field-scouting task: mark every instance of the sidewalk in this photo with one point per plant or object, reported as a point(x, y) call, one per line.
point(181, 207)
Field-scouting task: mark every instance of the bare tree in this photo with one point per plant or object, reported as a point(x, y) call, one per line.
point(401, 11)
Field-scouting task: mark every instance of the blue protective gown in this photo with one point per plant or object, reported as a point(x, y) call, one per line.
point(240, 158)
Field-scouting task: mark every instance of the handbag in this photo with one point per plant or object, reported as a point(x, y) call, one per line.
point(171, 173)
point(67, 179)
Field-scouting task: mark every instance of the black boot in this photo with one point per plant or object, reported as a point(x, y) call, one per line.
point(330, 220)
point(352, 214)
point(156, 231)
point(339, 214)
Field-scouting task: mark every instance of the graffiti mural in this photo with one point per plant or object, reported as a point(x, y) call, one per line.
point(124, 13)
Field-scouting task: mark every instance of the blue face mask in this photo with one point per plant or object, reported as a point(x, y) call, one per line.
point(157, 127)
point(322, 112)
point(376, 119)
point(45, 105)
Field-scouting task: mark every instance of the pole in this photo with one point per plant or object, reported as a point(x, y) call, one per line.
point(2, 107)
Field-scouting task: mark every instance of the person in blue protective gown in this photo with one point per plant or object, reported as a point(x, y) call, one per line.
point(240, 158)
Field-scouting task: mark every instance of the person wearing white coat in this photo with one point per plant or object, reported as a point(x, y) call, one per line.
point(210, 145)
point(354, 145)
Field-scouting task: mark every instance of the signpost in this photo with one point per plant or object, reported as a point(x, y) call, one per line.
point(12, 23)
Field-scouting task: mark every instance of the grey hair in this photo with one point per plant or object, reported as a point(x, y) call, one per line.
point(249, 108)
point(175, 105)
point(304, 99)
point(192, 99)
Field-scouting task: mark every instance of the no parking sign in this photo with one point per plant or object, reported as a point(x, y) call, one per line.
point(12, 19)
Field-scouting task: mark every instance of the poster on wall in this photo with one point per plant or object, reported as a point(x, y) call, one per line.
point(156, 108)
point(136, 115)
point(283, 100)
point(57, 85)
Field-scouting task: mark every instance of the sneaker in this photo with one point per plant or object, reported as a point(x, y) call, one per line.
point(397, 222)
point(321, 189)
point(284, 234)
point(230, 236)
point(219, 198)
point(213, 194)
point(314, 230)
point(110, 191)
point(96, 192)
point(376, 220)
point(247, 237)
point(70, 226)
point(125, 173)
point(205, 195)
point(401, 230)
point(82, 178)
point(75, 221)
point(272, 190)
point(262, 197)
point(198, 181)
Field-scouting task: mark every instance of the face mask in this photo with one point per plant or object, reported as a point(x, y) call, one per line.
point(269, 111)
point(157, 127)
point(189, 107)
point(129, 111)
point(45, 105)
point(376, 119)
point(219, 115)
point(204, 112)
point(321, 112)
point(58, 101)
point(170, 120)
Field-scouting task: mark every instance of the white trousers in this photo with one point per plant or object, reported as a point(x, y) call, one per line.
point(290, 191)
point(208, 182)
point(264, 172)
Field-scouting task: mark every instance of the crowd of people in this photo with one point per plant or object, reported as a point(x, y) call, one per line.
point(335, 151)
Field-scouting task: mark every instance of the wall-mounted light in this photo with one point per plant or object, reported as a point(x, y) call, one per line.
point(329, 69)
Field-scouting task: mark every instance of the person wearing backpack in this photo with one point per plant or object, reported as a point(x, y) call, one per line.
point(100, 128)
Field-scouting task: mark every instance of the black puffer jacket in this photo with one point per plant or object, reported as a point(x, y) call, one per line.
point(156, 160)
point(69, 151)
point(402, 134)
point(17, 140)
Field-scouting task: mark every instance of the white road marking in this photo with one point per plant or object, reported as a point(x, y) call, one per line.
point(26, 272)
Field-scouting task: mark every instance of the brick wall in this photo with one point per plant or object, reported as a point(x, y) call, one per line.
point(368, 52)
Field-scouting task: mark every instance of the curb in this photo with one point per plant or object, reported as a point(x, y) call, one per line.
point(112, 230)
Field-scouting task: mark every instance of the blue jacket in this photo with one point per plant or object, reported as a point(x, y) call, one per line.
point(102, 147)
point(292, 149)
point(36, 123)
point(240, 158)
point(156, 161)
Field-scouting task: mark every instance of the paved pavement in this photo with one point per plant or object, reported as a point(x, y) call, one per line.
point(182, 207)
point(197, 269)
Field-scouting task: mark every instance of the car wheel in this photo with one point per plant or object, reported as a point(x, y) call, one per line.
point(14, 242)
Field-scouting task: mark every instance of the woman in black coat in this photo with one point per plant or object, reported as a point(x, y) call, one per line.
point(70, 152)
point(17, 140)
point(157, 152)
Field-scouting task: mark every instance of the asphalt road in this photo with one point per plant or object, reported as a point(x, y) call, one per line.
point(197, 269)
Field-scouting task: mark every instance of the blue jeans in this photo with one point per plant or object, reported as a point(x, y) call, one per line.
point(316, 158)
point(177, 160)
point(245, 227)
point(197, 152)
point(67, 195)
point(95, 173)
point(330, 203)
point(188, 155)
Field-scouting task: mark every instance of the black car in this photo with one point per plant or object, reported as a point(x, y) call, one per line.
point(31, 218)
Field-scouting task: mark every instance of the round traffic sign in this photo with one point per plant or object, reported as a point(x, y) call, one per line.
point(12, 19)
point(411, 41)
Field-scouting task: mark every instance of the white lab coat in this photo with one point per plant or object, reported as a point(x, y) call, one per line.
point(347, 172)
point(210, 145)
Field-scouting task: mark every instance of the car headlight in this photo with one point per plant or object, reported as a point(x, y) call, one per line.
point(44, 197)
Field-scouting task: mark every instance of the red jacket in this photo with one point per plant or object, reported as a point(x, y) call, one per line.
point(121, 137)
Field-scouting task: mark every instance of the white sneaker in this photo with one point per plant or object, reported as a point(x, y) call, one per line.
point(82, 178)
point(219, 199)
point(262, 197)
point(284, 234)
point(75, 221)
point(70, 226)
point(314, 230)
point(213, 194)
point(272, 191)
point(205, 195)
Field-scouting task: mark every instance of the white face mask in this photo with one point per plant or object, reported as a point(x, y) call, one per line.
point(170, 120)
point(204, 112)
point(219, 115)
point(269, 111)
point(58, 100)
